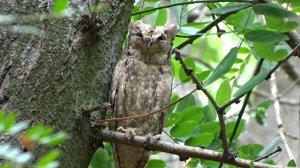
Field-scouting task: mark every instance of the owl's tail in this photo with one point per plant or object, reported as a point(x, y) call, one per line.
point(130, 157)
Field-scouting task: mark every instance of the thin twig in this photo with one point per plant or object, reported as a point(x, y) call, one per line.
point(274, 91)
point(96, 108)
point(146, 113)
point(205, 29)
point(187, 3)
point(270, 154)
point(241, 113)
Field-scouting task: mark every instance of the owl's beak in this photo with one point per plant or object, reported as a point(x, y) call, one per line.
point(149, 44)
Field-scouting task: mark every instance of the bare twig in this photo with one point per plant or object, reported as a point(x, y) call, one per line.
point(270, 154)
point(96, 108)
point(146, 113)
point(187, 3)
point(274, 92)
point(204, 30)
point(177, 149)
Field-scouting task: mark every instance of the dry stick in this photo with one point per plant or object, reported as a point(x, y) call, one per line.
point(274, 91)
point(177, 149)
point(187, 3)
point(199, 86)
point(148, 113)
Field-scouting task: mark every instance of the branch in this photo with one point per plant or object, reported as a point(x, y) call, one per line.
point(145, 114)
point(199, 86)
point(241, 113)
point(274, 91)
point(270, 154)
point(204, 30)
point(177, 149)
point(187, 3)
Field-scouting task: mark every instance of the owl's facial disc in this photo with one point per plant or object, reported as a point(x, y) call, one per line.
point(153, 39)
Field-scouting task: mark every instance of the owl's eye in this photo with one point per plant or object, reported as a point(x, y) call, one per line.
point(139, 34)
point(162, 38)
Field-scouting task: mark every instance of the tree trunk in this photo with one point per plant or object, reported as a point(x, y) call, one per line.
point(50, 78)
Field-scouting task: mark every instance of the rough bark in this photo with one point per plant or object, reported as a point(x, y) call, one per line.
point(49, 78)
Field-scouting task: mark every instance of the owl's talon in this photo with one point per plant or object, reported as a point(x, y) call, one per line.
point(129, 132)
point(157, 137)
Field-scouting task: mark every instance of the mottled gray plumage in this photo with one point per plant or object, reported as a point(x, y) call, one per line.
point(142, 83)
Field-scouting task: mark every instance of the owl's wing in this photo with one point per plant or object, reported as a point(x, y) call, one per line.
point(118, 78)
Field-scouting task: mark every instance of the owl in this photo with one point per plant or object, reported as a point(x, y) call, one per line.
point(142, 83)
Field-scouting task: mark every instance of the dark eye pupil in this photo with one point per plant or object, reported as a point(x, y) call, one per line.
point(139, 34)
point(162, 38)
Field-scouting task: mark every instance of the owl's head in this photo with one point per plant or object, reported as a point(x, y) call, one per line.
point(150, 39)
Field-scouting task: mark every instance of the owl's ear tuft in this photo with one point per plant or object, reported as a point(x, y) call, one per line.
point(171, 30)
point(134, 27)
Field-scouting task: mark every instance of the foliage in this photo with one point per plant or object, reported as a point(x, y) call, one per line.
point(29, 137)
point(223, 58)
point(257, 33)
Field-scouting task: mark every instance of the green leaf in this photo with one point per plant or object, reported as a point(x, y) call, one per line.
point(152, 0)
point(264, 50)
point(292, 163)
point(161, 17)
point(203, 75)
point(210, 127)
point(103, 158)
point(183, 129)
point(271, 147)
point(180, 12)
point(60, 5)
point(252, 164)
point(10, 120)
point(272, 10)
point(142, 15)
point(174, 98)
point(263, 36)
point(23, 158)
point(257, 79)
point(244, 50)
point(186, 103)
point(232, 8)
point(193, 163)
point(55, 139)
point(172, 119)
point(197, 25)
point(189, 30)
point(230, 126)
point(223, 93)
point(210, 113)
point(223, 67)
point(192, 114)
point(289, 26)
point(250, 151)
point(260, 111)
point(49, 160)
point(18, 127)
point(204, 139)
point(155, 163)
